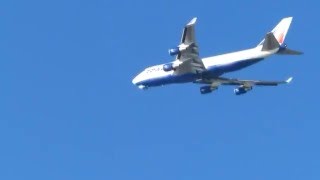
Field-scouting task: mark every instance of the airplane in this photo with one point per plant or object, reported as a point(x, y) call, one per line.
point(208, 71)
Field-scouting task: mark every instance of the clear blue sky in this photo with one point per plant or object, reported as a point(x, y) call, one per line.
point(69, 110)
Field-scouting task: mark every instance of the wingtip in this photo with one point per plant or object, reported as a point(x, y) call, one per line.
point(192, 22)
point(289, 80)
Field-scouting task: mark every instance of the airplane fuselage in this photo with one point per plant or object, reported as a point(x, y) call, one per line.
point(215, 67)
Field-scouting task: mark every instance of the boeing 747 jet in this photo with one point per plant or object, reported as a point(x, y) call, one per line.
point(189, 67)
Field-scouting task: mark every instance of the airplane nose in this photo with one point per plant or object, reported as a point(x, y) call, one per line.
point(135, 80)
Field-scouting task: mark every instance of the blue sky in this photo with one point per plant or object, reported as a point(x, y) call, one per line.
point(69, 110)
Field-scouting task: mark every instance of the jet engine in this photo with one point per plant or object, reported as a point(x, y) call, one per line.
point(207, 89)
point(174, 51)
point(177, 50)
point(242, 90)
point(171, 66)
point(168, 67)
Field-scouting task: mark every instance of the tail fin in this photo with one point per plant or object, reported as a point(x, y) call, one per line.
point(275, 38)
point(280, 31)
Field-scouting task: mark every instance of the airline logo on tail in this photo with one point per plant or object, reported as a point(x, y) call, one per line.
point(281, 30)
point(281, 38)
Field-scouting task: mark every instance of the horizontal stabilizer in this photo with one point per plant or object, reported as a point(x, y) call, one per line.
point(287, 51)
point(270, 42)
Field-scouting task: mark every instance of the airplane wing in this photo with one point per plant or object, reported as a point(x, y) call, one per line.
point(188, 35)
point(188, 57)
point(247, 83)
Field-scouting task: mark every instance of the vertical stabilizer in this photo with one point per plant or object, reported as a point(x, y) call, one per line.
point(280, 31)
point(275, 39)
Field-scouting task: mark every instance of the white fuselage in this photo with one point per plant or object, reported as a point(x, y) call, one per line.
point(215, 67)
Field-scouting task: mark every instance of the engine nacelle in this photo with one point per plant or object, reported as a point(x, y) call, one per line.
point(174, 51)
point(241, 90)
point(205, 90)
point(168, 67)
